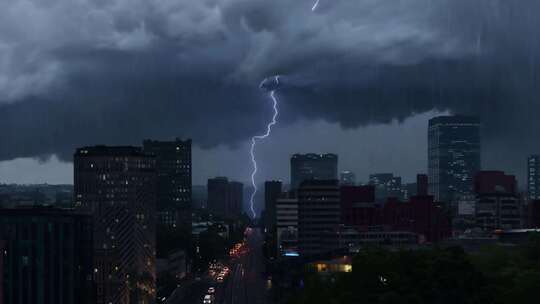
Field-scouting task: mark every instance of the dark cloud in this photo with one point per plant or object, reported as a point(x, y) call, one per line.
point(118, 71)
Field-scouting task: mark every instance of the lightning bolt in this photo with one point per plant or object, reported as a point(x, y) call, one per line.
point(254, 143)
point(315, 5)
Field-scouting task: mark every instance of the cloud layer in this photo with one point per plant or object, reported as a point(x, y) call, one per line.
point(84, 72)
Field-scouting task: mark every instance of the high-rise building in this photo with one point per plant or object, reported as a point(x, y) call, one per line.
point(225, 199)
point(218, 195)
point(453, 156)
point(46, 256)
point(347, 178)
point(313, 167)
point(286, 218)
point(173, 166)
point(236, 199)
point(497, 201)
point(117, 185)
point(272, 191)
point(533, 177)
point(319, 213)
point(386, 185)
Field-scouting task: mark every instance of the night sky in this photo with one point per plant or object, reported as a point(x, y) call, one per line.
point(359, 78)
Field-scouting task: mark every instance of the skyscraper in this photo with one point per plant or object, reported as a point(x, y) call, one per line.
point(46, 256)
point(313, 167)
point(386, 185)
point(272, 191)
point(453, 156)
point(286, 221)
point(236, 199)
point(533, 177)
point(117, 185)
point(319, 213)
point(347, 178)
point(225, 198)
point(218, 195)
point(173, 166)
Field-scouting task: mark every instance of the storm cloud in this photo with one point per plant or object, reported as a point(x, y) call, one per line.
point(85, 72)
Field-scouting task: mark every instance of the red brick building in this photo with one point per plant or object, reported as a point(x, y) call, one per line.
point(420, 214)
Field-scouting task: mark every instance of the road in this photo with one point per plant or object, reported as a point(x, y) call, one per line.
point(245, 283)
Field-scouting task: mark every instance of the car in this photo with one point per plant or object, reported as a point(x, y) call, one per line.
point(207, 299)
point(211, 290)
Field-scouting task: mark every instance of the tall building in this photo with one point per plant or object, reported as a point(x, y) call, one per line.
point(117, 185)
point(286, 218)
point(533, 177)
point(453, 156)
point(347, 178)
point(225, 199)
point(236, 199)
point(497, 201)
point(173, 166)
point(318, 213)
point(386, 185)
point(313, 167)
point(46, 256)
point(272, 191)
point(218, 195)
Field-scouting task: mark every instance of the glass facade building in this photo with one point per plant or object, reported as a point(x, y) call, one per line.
point(313, 167)
point(453, 156)
point(533, 177)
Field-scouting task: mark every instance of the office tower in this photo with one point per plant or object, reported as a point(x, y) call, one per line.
point(533, 177)
point(225, 199)
point(347, 178)
point(286, 219)
point(313, 166)
point(236, 199)
point(422, 185)
point(272, 191)
point(453, 156)
point(117, 185)
point(46, 256)
point(318, 213)
point(218, 195)
point(386, 185)
point(173, 167)
point(497, 201)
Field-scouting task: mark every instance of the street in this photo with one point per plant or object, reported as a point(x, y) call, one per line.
point(245, 283)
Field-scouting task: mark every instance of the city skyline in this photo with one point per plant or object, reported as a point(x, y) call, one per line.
point(257, 151)
point(378, 160)
point(353, 72)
